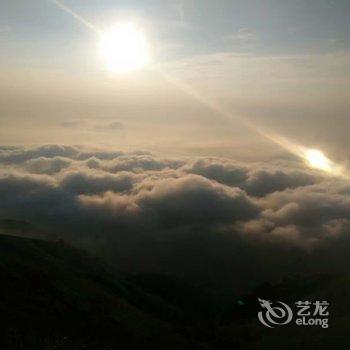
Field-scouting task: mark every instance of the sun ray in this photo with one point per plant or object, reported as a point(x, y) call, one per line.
point(78, 17)
point(313, 158)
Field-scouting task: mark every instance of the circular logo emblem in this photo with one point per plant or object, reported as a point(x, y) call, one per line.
point(274, 315)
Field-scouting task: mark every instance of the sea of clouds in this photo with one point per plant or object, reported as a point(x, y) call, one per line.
point(214, 221)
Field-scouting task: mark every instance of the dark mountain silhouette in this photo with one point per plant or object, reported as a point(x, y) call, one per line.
point(53, 296)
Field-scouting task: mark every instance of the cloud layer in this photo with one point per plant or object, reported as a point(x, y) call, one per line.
point(208, 219)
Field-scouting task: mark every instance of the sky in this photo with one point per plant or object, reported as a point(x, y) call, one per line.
point(280, 64)
point(194, 164)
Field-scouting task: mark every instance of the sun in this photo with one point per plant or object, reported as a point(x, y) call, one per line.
point(124, 48)
point(316, 159)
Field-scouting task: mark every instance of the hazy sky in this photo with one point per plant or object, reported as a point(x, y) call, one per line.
point(224, 74)
point(281, 64)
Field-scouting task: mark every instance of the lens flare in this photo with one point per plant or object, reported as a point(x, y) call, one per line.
point(316, 159)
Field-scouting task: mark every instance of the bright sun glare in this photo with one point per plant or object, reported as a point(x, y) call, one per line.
point(318, 160)
point(124, 48)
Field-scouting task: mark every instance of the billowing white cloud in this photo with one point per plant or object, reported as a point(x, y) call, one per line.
point(178, 214)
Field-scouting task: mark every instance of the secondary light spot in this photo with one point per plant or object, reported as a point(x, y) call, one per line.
point(316, 159)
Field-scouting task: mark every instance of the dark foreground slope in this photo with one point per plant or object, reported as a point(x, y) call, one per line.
point(53, 296)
